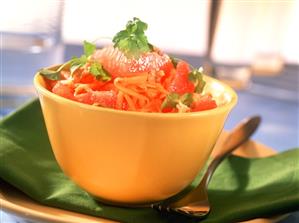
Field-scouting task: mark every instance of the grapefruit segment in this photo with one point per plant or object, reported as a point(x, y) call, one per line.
point(118, 65)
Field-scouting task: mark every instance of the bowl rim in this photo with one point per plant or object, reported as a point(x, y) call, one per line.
point(219, 109)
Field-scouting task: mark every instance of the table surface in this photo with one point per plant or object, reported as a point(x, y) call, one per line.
point(275, 98)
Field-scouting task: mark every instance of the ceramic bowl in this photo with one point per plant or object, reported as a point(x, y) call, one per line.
point(132, 158)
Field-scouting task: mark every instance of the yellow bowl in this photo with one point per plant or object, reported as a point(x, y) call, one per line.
point(132, 158)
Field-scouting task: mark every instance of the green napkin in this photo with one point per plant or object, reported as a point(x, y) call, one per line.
point(241, 188)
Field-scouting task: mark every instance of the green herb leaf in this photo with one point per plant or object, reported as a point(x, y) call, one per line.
point(174, 60)
point(77, 62)
point(132, 41)
point(99, 72)
point(170, 101)
point(196, 76)
point(50, 74)
point(187, 99)
point(74, 67)
point(53, 74)
point(200, 86)
point(95, 68)
point(89, 48)
point(173, 99)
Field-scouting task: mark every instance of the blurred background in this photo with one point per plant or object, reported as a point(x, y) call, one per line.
point(251, 45)
point(245, 29)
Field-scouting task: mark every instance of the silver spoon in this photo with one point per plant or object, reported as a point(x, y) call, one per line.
point(196, 203)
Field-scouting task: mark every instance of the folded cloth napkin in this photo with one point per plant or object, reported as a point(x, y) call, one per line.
point(241, 188)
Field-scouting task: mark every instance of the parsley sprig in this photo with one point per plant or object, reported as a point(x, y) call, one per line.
point(196, 76)
point(132, 41)
point(173, 99)
point(53, 74)
point(75, 63)
point(174, 60)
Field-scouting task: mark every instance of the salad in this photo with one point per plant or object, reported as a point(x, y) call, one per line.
point(132, 75)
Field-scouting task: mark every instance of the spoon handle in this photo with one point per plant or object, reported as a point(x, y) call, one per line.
point(239, 135)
